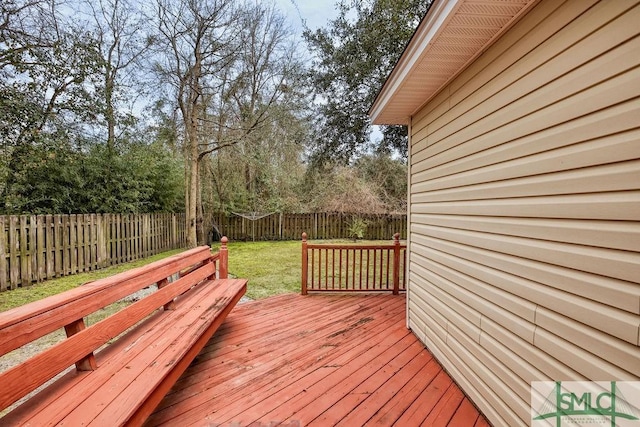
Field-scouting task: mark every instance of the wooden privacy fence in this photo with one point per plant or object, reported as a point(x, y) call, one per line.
point(353, 268)
point(289, 226)
point(35, 248)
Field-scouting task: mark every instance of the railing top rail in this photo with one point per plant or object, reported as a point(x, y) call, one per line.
point(107, 284)
point(396, 241)
point(350, 246)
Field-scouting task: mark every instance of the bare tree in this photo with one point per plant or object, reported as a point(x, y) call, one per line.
point(44, 53)
point(199, 39)
point(229, 67)
point(122, 40)
point(25, 25)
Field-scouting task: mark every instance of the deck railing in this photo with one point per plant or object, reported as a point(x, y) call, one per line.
point(353, 268)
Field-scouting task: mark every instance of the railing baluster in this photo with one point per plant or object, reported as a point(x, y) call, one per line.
point(305, 264)
point(313, 272)
point(381, 276)
point(319, 269)
point(360, 275)
point(326, 269)
point(333, 269)
point(330, 272)
point(375, 267)
point(346, 270)
point(312, 268)
point(381, 267)
point(353, 270)
point(387, 281)
point(366, 271)
point(396, 264)
point(381, 282)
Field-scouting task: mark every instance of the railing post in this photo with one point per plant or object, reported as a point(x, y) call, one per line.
point(396, 264)
point(305, 264)
point(224, 258)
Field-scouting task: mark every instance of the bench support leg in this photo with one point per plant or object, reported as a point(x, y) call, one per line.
point(87, 363)
point(171, 305)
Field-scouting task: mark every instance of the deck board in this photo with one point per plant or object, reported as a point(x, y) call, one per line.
point(316, 360)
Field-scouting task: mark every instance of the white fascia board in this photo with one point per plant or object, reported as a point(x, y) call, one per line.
point(437, 16)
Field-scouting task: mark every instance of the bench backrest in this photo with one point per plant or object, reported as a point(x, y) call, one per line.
point(32, 321)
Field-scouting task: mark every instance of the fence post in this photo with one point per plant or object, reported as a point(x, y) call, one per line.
point(396, 264)
point(224, 258)
point(305, 263)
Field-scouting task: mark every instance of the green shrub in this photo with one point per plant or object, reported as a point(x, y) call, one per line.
point(357, 228)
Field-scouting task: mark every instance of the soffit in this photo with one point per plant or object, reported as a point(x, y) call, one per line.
point(451, 35)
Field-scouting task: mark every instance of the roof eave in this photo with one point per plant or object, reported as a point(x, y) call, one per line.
point(413, 82)
point(427, 29)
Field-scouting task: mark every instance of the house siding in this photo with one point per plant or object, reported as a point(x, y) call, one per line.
point(524, 252)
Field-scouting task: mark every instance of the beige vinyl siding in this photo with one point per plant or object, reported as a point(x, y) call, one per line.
point(524, 260)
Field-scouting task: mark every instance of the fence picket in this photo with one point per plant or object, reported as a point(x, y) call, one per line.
point(24, 252)
point(73, 244)
point(38, 260)
point(30, 234)
point(13, 248)
point(49, 247)
point(86, 234)
point(3, 256)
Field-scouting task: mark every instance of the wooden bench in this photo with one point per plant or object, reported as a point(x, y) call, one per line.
point(151, 342)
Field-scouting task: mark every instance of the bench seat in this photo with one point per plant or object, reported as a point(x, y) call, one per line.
point(134, 372)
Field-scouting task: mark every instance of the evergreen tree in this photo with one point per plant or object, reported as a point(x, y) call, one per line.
point(353, 56)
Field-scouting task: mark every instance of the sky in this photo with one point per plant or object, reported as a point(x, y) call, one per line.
point(316, 13)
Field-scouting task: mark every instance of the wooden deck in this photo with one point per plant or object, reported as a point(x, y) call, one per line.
point(318, 360)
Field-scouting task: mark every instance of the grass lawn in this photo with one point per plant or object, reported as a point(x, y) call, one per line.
point(272, 268)
point(22, 296)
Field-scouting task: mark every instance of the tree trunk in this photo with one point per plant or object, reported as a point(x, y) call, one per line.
point(191, 171)
point(192, 238)
point(200, 230)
